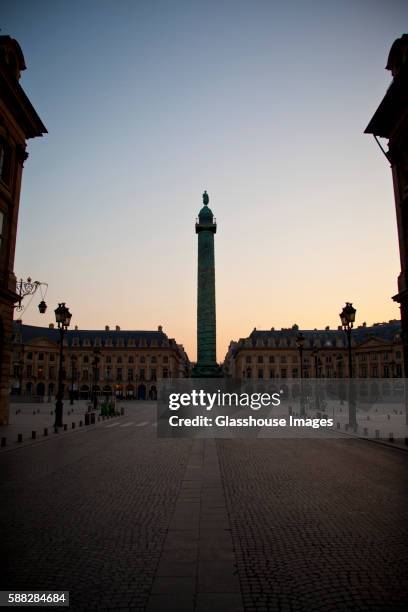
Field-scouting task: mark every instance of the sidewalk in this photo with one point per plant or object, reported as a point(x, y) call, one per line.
point(198, 569)
point(37, 419)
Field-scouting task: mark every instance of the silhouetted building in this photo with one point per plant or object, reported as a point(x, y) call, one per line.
point(18, 123)
point(268, 354)
point(391, 121)
point(126, 364)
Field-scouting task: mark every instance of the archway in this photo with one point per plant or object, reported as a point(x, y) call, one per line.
point(153, 393)
point(130, 392)
point(40, 389)
point(141, 392)
point(84, 392)
point(107, 391)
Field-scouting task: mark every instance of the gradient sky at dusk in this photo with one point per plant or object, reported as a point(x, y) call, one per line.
point(263, 104)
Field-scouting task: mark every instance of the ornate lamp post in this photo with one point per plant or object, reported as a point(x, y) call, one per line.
point(30, 287)
point(63, 319)
point(315, 353)
point(347, 317)
point(97, 352)
point(300, 342)
point(73, 371)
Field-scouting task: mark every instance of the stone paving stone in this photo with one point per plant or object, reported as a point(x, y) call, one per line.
point(219, 602)
point(217, 577)
point(174, 585)
point(317, 525)
point(89, 513)
point(181, 539)
point(171, 603)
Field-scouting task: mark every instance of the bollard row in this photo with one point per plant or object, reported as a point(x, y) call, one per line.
point(90, 419)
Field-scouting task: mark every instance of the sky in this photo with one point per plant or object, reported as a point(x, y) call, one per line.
point(261, 103)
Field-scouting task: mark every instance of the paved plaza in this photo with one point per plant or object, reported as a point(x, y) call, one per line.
point(126, 521)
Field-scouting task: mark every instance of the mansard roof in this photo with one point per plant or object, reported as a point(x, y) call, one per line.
point(107, 338)
point(327, 338)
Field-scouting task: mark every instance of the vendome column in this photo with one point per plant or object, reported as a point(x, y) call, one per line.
point(206, 366)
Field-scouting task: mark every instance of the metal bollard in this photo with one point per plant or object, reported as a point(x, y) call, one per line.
point(65, 427)
point(391, 437)
point(33, 435)
point(122, 410)
point(45, 431)
point(87, 419)
point(73, 425)
point(20, 438)
point(3, 442)
point(92, 418)
point(338, 425)
point(406, 441)
point(80, 423)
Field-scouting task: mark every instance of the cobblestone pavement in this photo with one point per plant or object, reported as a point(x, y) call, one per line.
point(318, 524)
point(126, 521)
point(89, 512)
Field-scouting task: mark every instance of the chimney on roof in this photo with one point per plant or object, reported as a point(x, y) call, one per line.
point(76, 328)
point(19, 321)
point(117, 328)
point(160, 328)
point(106, 327)
point(339, 328)
point(51, 326)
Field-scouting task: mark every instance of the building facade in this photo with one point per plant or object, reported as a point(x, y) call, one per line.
point(391, 121)
point(264, 355)
point(126, 364)
point(18, 122)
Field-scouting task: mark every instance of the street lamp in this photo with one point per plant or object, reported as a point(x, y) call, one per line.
point(73, 361)
point(97, 352)
point(300, 342)
point(347, 317)
point(315, 353)
point(29, 287)
point(63, 319)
